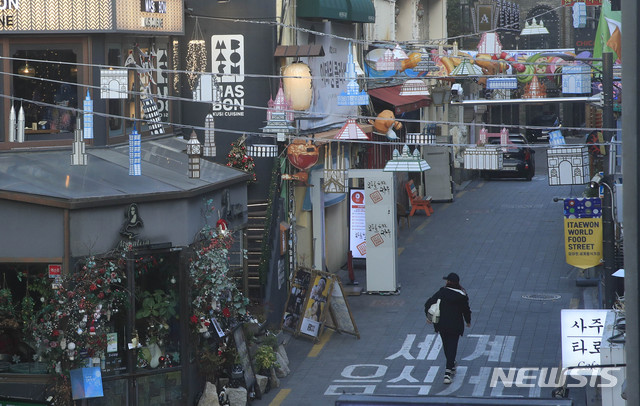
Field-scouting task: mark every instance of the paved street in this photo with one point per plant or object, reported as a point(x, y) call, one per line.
point(505, 240)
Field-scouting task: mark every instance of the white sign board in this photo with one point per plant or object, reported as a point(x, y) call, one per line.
point(581, 336)
point(380, 231)
point(357, 224)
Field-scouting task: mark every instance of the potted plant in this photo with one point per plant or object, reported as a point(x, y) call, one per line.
point(156, 310)
point(265, 359)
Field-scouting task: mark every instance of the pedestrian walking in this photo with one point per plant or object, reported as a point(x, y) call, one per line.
point(454, 312)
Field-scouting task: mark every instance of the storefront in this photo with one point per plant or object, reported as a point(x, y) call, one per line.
point(143, 229)
point(53, 53)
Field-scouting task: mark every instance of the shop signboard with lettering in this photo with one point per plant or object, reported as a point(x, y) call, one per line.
point(357, 224)
point(380, 231)
point(581, 336)
point(36, 16)
point(583, 231)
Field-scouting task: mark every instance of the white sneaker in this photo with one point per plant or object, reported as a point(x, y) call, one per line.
point(447, 378)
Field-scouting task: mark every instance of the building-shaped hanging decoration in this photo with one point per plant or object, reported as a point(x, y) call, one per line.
point(207, 88)
point(262, 150)
point(534, 28)
point(352, 96)
point(87, 117)
point(406, 162)
point(466, 68)
point(426, 63)
point(135, 153)
point(113, 83)
point(193, 152)
point(483, 157)
point(482, 140)
point(502, 83)
point(335, 171)
point(152, 116)
point(414, 87)
point(12, 123)
point(20, 125)
point(391, 59)
point(427, 136)
point(579, 14)
point(78, 156)
point(490, 44)
point(576, 79)
point(504, 136)
point(351, 131)
point(279, 116)
point(534, 89)
point(568, 165)
point(209, 136)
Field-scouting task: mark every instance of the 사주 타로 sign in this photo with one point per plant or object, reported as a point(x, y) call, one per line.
point(583, 231)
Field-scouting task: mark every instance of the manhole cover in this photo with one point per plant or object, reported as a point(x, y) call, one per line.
point(541, 296)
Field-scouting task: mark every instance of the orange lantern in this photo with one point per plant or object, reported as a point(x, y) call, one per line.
point(298, 89)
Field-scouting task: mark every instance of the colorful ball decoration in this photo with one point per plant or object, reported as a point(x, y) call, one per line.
point(302, 154)
point(298, 89)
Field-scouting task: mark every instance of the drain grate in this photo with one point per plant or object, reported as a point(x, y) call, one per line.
point(541, 296)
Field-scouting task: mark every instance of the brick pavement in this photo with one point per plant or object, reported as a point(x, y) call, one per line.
point(505, 240)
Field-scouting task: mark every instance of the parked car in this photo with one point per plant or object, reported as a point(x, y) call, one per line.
point(550, 122)
point(518, 160)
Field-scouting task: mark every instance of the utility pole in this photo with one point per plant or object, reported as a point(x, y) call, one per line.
point(608, 225)
point(630, 155)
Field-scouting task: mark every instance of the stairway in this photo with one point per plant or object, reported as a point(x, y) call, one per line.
point(254, 232)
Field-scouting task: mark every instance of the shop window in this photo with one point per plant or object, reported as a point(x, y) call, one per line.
point(156, 321)
point(49, 91)
point(23, 291)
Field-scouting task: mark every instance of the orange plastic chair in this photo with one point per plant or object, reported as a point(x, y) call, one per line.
point(417, 202)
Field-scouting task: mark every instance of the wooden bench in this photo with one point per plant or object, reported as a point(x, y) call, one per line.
point(417, 202)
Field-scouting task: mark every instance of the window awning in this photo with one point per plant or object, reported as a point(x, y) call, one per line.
point(358, 11)
point(299, 50)
point(362, 11)
point(401, 104)
point(330, 9)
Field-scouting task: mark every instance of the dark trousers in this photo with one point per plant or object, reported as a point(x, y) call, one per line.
point(450, 347)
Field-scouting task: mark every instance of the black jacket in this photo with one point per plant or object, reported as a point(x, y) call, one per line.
point(454, 309)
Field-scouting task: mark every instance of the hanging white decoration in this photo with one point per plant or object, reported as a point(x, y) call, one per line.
point(193, 152)
point(113, 83)
point(135, 153)
point(152, 116)
point(207, 88)
point(568, 166)
point(78, 156)
point(209, 136)
point(352, 96)
point(87, 117)
point(196, 56)
point(20, 125)
point(279, 116)
point(351, 131)
point(12, 124)
point(414, 87)
point(335, 176)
